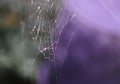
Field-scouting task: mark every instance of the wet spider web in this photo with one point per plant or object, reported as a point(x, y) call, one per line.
point(40, 25)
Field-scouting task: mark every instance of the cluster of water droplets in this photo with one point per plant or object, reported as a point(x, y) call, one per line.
point(40, 25)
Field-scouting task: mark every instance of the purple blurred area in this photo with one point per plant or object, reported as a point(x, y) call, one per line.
point(87, 48)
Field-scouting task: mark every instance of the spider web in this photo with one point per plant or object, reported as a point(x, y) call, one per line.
point(39, 25)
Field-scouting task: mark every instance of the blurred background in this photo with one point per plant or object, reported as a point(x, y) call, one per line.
point(26, 30)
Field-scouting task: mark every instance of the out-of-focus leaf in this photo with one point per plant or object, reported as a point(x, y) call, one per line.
point(11, 20)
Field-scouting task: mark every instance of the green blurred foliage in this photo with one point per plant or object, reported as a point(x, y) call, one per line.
point(16, 52)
